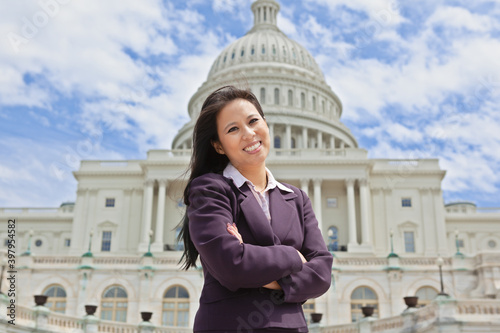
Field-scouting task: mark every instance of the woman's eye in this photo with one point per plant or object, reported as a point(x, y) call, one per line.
point(254, 120)
point(232, 129)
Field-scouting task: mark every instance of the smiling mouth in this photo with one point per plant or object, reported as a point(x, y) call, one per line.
point(253, 147)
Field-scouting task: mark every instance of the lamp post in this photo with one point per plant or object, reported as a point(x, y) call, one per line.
point(28, 251)
point(149, 254)
point(392, 254)
point(458, 254)
point(89, 252)
point(440, 263)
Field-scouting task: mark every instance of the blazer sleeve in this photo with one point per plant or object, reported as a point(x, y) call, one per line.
point(315, 277)
point(233, 264)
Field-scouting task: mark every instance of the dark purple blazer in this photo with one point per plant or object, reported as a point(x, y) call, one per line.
point(232, 298)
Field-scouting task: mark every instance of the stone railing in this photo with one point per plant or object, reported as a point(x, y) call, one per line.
point(387, 324)
point(450, 313)
point(130, 262)
point(172, 330)
point(115, 327)
point(62, 322)
point(361, 261)
point(349, 328)
point(56, 260)
point(422, 261)
point(473, 309)
point(117, 261)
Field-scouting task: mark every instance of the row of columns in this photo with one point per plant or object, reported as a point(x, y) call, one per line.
point(157, 245)
point(365, 209)
point(305, 137)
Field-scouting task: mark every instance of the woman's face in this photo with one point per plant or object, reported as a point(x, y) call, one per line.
point(243, 135)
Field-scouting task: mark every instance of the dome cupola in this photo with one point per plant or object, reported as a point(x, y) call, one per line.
point(301, 109)
point(265, 15)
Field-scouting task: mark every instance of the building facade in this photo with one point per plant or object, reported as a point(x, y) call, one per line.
point(383, 219)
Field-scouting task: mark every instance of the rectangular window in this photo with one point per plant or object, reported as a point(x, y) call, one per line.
point(406, 202)
point(409, 242)
point(106, 241)
point(67, 242)
point(110, 202)
point(460, 243)
point(6, 242)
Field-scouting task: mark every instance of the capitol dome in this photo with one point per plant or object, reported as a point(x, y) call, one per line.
point(301, 109)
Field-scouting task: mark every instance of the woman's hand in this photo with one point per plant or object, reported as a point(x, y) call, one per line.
point(233, 230)
point(302, 257)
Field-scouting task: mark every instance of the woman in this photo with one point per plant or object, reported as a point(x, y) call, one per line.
point(258, 240)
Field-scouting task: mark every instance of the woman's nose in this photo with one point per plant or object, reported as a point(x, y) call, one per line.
point(248, 133)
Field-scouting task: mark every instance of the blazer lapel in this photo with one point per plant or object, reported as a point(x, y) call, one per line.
point(256, 219)
point(282, 212)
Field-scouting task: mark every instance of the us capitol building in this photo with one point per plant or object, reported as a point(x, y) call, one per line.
point(383, 219)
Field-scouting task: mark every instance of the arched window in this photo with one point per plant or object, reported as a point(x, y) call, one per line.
point(242, 51)
point(57, 298)
point(277, 142)
point(333, 240)
point(323, 106)
point(263, 49)
point(293, 145)
point(309, 307)
point(314, 103)
point(302, 100)
point(276, 96)
point(274, 49)
point(114, 304)
point(262, 95)
point(290, 97)
point(425, 295)
point(253, 50)
point(363, 296)
point(175, 307)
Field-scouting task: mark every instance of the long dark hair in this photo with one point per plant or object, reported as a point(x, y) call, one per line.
point(204, 158)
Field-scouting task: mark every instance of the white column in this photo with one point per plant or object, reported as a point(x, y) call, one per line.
point(317, 202)
point(304, 185)
point(366, 234)
point(288, 137)
point(428, 234)
point(332, 142)
point(147, 212)
point(351, 214)
point(442, 247)
point(473, 243)
point(320, 139)
point(80, 227)
point(304, 137)
point(271, 134)
point(157, 246)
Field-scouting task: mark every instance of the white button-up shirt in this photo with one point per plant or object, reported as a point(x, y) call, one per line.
point(262, 197)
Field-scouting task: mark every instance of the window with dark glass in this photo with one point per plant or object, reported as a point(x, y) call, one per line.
point(175, 307)
point(106, 241)
point(114, 304)
point(57, 298)
point(406, 202)
point(363, 296)
point(409, 241)
point(110, 202)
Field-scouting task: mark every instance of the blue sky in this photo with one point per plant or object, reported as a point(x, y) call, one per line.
point(112, 79)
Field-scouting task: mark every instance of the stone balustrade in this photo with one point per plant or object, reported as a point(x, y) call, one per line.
point(444, 312)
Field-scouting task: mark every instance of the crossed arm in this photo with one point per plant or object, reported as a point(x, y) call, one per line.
point(233, 230)
point(235, 264)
